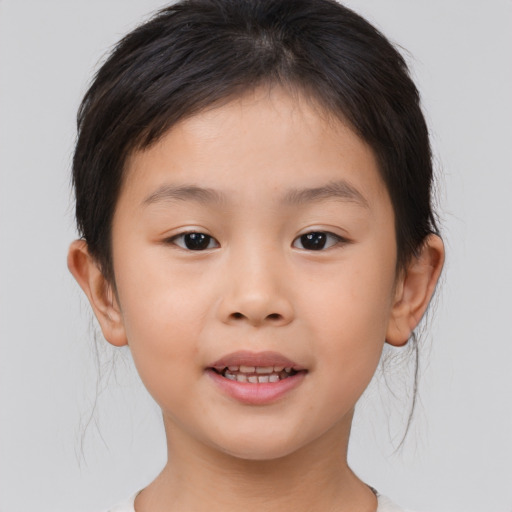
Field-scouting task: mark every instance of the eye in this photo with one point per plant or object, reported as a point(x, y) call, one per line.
point(194, 241)
point(317, 240)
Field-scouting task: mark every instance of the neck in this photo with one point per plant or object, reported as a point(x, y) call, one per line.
point(201, 478)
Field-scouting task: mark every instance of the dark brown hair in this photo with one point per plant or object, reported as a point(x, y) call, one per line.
point(197, 53)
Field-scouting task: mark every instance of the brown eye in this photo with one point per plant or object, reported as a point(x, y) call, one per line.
point(195, 241)
point(316, 241)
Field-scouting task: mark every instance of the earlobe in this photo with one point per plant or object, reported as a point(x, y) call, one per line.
point(99, 292)
point(414, 290)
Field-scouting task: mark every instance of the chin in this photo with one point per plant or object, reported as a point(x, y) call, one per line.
point(259, 454)
point(258, 447)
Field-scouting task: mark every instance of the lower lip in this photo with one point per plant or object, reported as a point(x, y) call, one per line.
point(260, 393)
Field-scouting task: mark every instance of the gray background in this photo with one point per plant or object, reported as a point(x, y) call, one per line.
point(458, 457)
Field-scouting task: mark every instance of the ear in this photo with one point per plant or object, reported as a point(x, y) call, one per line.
point(99, 292)
point(414, 289)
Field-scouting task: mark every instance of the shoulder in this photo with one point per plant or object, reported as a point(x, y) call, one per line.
point(386, 505)
point(125, 506)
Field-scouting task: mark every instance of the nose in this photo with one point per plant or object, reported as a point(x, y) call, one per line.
point(256, 292)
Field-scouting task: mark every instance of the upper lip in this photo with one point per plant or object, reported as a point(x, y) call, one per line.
point(247, 358)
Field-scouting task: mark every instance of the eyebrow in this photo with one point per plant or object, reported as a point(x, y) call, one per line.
point(333, 190)
point(185, 193)
point(340, 189)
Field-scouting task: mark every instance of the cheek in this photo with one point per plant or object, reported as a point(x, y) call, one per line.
point(162, 314)
point(349, 315)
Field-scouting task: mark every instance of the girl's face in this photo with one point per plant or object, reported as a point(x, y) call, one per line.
point(258, 234)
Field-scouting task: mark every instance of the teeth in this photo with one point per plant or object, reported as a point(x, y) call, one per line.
point(264, 369)
point(258, 369)
point(256, 374)
point(253, 379)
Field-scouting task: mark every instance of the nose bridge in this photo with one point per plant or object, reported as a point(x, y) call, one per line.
point(256, 290)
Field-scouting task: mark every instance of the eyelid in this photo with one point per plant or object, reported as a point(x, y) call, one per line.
point(339, 240)
point(172, 239)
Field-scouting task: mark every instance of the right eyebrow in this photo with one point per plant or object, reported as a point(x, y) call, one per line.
point(184, 193)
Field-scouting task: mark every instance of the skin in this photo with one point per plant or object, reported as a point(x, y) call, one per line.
point(256, 287)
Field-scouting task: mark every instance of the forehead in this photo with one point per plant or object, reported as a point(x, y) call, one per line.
point(267, 141)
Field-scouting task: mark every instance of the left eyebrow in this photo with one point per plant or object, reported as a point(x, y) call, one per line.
point(333, 190)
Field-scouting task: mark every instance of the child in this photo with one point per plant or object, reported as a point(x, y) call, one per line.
point(253, 191)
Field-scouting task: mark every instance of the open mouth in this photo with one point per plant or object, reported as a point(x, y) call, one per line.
point(256, 374)
point(256, 378)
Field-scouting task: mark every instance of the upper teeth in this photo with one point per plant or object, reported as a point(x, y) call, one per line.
point(259, 369)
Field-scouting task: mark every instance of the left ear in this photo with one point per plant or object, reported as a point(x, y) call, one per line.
point(414, 289)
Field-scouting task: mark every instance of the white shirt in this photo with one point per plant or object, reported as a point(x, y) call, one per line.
point(384, 505)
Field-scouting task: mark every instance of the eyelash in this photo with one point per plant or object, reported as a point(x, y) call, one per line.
point(309, 235)
point(203, 238)
point(173, 240)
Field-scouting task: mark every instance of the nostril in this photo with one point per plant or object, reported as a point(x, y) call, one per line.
point(272, 316)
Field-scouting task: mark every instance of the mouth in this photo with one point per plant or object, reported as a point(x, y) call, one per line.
point(256, 367)
point(256, 378)
point(256, 374)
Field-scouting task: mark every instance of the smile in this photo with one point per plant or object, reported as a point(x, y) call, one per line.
point(257, 374)
point(256, 378)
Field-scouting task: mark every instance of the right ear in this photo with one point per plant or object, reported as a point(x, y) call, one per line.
point(99, 292)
